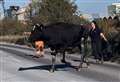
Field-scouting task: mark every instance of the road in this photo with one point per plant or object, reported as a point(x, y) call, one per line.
point(14, 57)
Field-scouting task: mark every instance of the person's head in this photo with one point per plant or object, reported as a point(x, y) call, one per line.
point(94, 24)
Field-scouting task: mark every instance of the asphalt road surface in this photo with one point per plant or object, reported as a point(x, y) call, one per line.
point(17, 64)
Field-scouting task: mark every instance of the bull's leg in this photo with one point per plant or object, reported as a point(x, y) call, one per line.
point(63, 58)
point(102, 59)
point(81, 63)
point(53, 62)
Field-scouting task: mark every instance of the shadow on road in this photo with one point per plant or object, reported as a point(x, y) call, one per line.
point(58, 67)
point(107, 64)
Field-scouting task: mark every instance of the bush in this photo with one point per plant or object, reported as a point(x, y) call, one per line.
point(12, 39)
point(12, 27)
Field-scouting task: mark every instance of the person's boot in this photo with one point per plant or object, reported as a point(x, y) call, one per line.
point(97, 61)
point(102, 60)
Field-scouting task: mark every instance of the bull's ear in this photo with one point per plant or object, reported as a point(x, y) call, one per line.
point(41, 26)
point(33, 28)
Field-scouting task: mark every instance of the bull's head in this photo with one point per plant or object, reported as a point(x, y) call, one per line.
point(36, 32)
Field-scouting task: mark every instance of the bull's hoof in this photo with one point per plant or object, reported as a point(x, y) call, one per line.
point(88, 64)
point(100, 61)
point(52, 70)
point(78, 68)
point(64, 61)
point(97, 61)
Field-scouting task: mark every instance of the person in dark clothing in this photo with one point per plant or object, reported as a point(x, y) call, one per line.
point(96, 37)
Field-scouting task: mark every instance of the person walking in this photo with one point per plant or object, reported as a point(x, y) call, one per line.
point(97, 35)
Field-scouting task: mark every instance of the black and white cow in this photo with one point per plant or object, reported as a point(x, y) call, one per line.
point(59, 37)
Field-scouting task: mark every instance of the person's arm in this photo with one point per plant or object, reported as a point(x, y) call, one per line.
point(102, 35)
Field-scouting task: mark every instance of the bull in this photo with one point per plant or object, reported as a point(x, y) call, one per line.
point(59, 37)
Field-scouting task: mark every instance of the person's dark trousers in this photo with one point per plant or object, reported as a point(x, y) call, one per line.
point(96, 50)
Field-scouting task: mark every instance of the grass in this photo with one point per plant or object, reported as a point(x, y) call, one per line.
point(13, 39)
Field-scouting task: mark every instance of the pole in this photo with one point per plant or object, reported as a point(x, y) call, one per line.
point(3, 6)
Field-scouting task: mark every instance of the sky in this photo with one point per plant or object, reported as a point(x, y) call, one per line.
point(95, 6)
point(85, 6)
point(16, 2)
